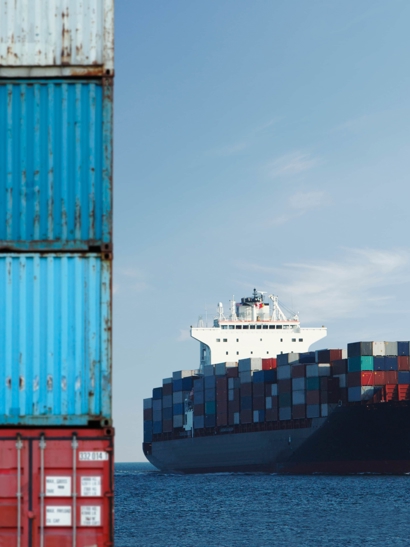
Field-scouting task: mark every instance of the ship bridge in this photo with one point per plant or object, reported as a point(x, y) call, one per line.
point(254, 328)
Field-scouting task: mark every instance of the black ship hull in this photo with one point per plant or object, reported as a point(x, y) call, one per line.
point(361, 438)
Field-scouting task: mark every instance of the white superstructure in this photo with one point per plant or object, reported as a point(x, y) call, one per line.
point(254, 328)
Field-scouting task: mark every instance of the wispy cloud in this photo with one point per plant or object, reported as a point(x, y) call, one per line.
point(131, 280)
point(291, 164)
point(184, 335)
point(360, 282)
point(300, 203)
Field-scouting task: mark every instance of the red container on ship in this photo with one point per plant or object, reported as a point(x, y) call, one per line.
point(56, 487)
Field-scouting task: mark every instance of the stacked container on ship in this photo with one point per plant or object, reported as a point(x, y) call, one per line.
point(56, 436)
point(261, 401)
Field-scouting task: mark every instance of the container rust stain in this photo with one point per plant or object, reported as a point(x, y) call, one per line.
point(59, 374)
point(63, 199)
point(80, 38)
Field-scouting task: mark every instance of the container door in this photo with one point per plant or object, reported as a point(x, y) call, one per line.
point(14, 492)
point(72, 481)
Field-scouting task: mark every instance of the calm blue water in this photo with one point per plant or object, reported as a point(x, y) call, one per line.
point(154, 509)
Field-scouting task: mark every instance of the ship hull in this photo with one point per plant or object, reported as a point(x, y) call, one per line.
point(363, 438)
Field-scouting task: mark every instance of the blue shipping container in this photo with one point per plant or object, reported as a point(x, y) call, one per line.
point(157, 393)
point(55, 165)
point(55, 339)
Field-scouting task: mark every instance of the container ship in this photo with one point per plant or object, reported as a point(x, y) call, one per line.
point(260, 401)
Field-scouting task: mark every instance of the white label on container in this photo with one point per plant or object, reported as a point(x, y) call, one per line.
point(58, 515)
point(58, 486)
point(93, 456)
point(90, 515)
point(91, 486)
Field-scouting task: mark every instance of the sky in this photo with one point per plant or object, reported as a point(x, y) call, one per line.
point(257, 144)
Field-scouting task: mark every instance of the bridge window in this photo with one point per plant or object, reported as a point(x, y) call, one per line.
point(227, 353)
point(278, 326)
point(293, 339)
point(300, 339)
point(237, 339)
point(258, 326)
point(238, 326)
point(218, 339)
point(231, 326)
point(252, 326)
point(225, 339)
point(265, 326)
point(246, 326)
point(271, 326)
point(224, 327)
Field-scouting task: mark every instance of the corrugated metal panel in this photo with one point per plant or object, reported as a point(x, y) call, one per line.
point(55, 165)
point(56, 38)
point(55, 339)
point(56, 487)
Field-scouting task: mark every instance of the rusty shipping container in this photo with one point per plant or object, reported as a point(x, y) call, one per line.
point(56, 487)
point(56, 38)
point(56, 165)
point(55, 339)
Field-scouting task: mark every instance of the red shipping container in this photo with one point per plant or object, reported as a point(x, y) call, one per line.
point(222, 419)
point(339, 366)
point(392, 392)
point(403, 362)
point(59, 484)
point(329, 384)
point(232, 372)
point(199, 410)
point(246, 390)
point(391, 377)
point(298, 371)
point(259, 390)
point(284, 386)
point(246, 416)
point(234, 406)
point(221, 384)
point(298, 411)
point(167, 389)
point(367, 378)
point(313, 397)
point(268, 364)
point(148, 413)
point(328, 355)
point(259, 403)
point(404, 392)
point(271, 414)
point(221, 396)
point(379, 378)
point(222, 407)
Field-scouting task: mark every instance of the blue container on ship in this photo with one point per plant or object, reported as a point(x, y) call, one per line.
point(56, 165)
point(55, 339)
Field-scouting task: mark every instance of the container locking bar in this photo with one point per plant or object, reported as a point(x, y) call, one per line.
point(74, 445)
point(42, 447)
point(19, 446)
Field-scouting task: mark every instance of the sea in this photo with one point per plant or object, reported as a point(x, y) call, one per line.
point(154, 509)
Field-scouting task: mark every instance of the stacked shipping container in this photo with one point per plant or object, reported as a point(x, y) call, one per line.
point(56, 98)
point(292, 387)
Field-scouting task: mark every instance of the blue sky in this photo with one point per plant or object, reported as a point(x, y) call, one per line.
point(257, 144)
